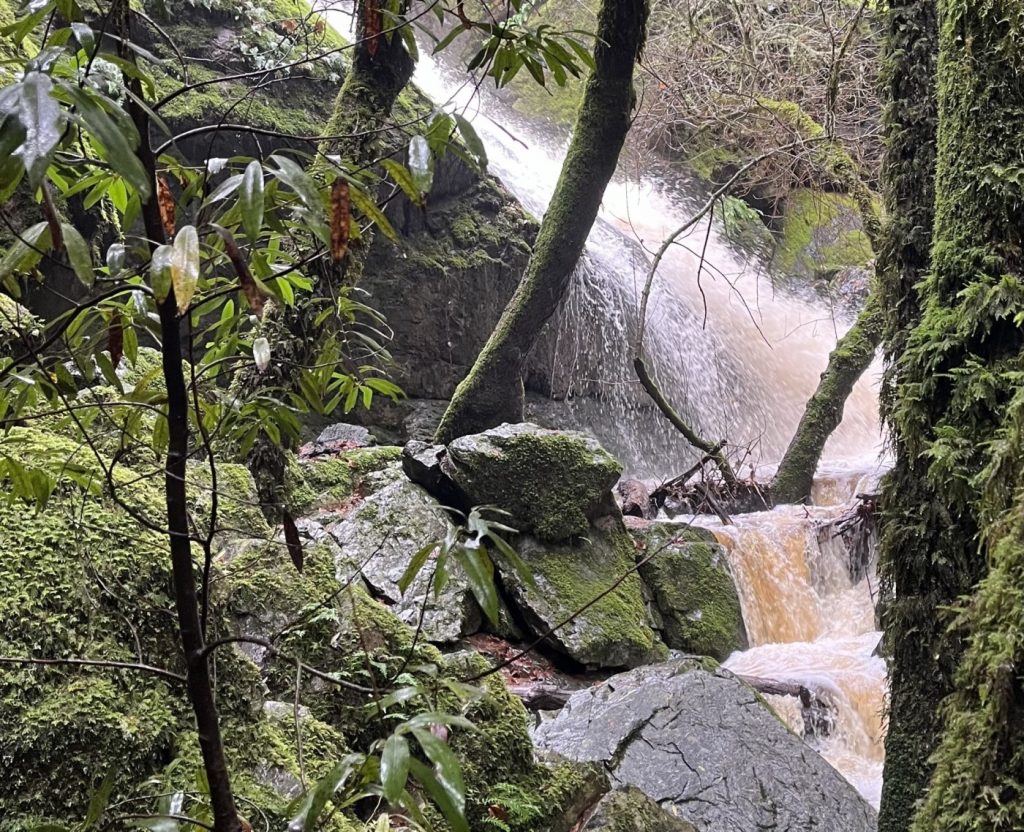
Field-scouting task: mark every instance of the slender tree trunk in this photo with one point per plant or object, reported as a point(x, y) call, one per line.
point(852, 355)
point(197, 669)
point(921, 655)
point(493, 393)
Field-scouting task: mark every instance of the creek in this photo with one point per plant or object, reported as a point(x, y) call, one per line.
point(738, 358)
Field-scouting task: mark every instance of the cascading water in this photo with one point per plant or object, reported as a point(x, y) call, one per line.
point(739, 360)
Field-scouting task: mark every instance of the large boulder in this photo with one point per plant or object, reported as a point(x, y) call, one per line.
point(691, 587)
point(380, 538)
point(706, 747)
point(587, 587)
point(552, 483)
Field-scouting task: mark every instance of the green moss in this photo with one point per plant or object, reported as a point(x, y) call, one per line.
point(550, 483)
point(820, 235)
point(335, 480)
point(613, 630)
point(692, 590)
point(15, 320)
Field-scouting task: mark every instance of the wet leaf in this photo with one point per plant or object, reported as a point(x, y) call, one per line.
point(185, 267)
point(250, 199)
point(473, 143)
point(115, 338)
point(253, 294)
point(160, 272)
point(43, 121)
point(394, 767)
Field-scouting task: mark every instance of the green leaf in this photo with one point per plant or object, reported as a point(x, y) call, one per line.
point(414, 567)
point(78, 253)
point(400, 173)
point(289, 172)
point(473, 144)
point(446, 765)
point(421, 163)
point(160, 272)
point(455, 816)
point(394, 766)
point(119, 139)
point(26, 251)
point(370, 210)
point(185, 266)
point(250, 199)
point(315, 802)
point(100, 799)
point(479, 571)
point(43, 119)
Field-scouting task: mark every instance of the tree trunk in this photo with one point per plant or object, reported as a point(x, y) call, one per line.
point(824, 411)
point(958, 415)
point(492, 393)
point(920, 661)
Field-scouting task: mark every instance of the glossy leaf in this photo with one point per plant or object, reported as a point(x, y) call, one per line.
point(100, 799)
point(394, 767)
point(452, 812)
point(473, 143)
point(160, 272)
point(185, 266)
point(42, 119)
point(315, 802)
point(250, 199)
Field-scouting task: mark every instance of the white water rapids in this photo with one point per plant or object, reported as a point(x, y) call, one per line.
point(739, 360)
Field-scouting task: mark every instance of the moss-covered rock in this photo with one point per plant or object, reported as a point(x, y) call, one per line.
point(338, 482)
point(381, 537)
point(630, 810)
point(614, 629)
point(16, 322)
point(821, 234)
point(552, 483)
point(692, 589)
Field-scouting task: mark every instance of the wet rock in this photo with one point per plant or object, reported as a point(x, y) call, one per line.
point(630, 810)
point(380, 538)
point(421, 463)
point(692, 589)
point(552, 483)
point(614, 630)
point(636, 500)
point(706, 748)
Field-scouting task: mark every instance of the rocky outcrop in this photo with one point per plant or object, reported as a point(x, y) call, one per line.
point(552, 483)
point(380, 538)
point(695, 598)
point(706, 747)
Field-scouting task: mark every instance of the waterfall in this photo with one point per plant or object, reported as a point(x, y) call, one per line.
point(738, 359)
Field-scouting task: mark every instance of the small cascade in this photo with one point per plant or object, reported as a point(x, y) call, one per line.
point(812, 623)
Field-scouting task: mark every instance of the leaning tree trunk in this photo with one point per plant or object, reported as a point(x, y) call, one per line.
point(922, 655)
point(824, 411)
point(493, 393)
point(958, 411)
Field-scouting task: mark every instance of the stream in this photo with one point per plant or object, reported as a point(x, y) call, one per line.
point(738, 358)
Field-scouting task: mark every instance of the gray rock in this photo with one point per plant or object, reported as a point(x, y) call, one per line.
point(705, 747)
point(630, 810)
point(355, 436)
point(552, 483)
point(381, 537)
point(614, 630)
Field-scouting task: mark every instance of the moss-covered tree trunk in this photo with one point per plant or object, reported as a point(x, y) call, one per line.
point(493, 393)
point(824, 411)
point(953, 503)
point(912, 590)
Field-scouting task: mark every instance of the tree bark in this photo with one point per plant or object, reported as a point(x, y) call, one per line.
point(493, 393)
point(852, 355)
point(958, 414)
point(920, 663)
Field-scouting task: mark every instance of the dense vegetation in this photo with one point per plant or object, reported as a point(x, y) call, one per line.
point(215, 616)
